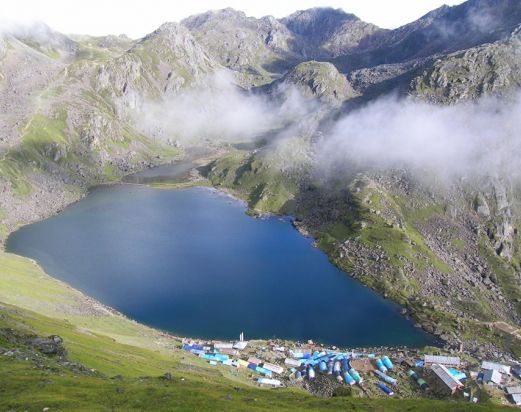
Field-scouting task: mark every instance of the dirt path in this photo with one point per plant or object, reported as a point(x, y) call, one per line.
point(505, 327)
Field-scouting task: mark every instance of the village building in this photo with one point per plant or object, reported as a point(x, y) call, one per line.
point(516, 398)
point(449, 381)
point(492, 376)
point(452, 361)
point(513, 390)
point(495, 366)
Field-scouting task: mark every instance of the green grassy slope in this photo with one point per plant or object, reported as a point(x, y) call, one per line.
point(265, 188)
point(125, 360)
point(47, 384)
point(30, 390)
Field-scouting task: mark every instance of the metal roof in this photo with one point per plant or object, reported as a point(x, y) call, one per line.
point(292, 362)
point(240, 345)
point(444, 360)
point(492, 375)
point(274, 368)
point(513, 390)
point(223, 345)
point(443, 373)
point(253, 359)
point(495, 366)
point(516, 398)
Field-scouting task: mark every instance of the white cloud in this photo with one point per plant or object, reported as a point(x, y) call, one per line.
point(475, 139)
point(137, 17)
point(218, 110)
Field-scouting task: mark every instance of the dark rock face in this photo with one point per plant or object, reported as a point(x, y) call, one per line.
point(327, 32)
point(51, 346)
point(441, 31)
point(167, 376)
point(318, 22)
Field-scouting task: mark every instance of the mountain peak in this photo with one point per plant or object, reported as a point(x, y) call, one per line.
point(305, 22)
point(39, 36)
point(169, 28)
point(176, 34)
point(321, 12)
point(199, 20)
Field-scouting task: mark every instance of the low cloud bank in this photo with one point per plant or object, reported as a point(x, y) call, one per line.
point(218, 110)
point(482, 138)
point(469, 139)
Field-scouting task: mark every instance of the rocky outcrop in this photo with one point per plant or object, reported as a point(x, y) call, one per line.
point(441, 31)
point(499, 217)
point(124, 80)
point(41, 37)
point(327, 32)
point(492, 69)
point(256, 48)
point(319, 80)
point(50, 346)
point(160, 64)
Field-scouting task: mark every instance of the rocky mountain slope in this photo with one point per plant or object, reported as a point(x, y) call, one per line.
point(66, 115)
point(160, 64)
point(256, 48)
point(266, 47)
point(441, 31)
point(316, 80)
point(261, 49)
point(491, 69)
point(450, 254)
point(326, 33)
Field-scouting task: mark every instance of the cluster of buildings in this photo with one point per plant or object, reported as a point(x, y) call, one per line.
point(495, 376)
point(435, 375)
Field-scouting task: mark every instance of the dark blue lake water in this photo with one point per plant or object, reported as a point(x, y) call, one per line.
point(190, 261)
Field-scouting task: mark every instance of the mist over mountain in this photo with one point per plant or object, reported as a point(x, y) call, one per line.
point(219, 110)
point(475, 139)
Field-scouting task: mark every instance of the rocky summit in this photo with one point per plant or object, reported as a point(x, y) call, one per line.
point(397, 151)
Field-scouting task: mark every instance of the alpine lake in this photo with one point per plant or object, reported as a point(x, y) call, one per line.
point(190, 261)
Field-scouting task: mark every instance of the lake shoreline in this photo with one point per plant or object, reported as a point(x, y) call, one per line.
point(241, 204)
point(199, 180)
